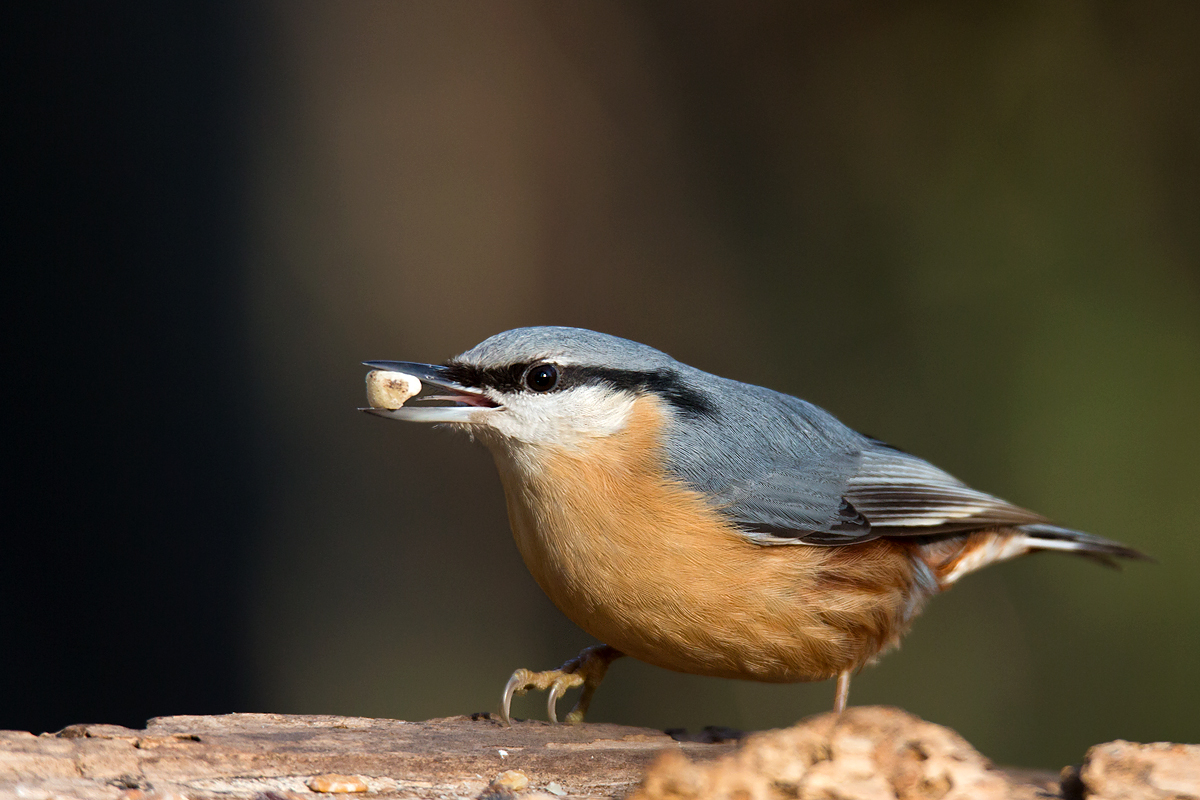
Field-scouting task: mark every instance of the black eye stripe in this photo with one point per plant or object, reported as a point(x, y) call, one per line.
point(505, 379)
point(665, 383)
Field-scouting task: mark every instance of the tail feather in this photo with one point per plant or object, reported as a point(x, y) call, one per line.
point(953, 557)
point(1097, 548)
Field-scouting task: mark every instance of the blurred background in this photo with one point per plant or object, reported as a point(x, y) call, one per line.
point(971, 231)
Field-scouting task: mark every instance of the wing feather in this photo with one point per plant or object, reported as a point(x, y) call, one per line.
point(783, 507)
point(902, 495)
point(888, 494)
point(799, 476)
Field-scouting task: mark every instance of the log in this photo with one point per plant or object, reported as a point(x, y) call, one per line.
point(868, 753)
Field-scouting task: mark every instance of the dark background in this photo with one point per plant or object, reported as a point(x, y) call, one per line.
point(972, 232)
point(129, 492)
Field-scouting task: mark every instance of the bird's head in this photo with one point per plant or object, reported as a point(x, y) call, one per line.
point(545, 386)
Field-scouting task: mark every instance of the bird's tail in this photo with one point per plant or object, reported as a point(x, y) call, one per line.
point(1097, 548)
point(952, 558)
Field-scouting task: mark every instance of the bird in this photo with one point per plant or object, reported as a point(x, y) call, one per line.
point(705, 525)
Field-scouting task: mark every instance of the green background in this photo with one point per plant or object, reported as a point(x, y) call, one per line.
point(969, 230)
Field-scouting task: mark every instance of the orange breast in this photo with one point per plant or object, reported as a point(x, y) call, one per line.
point(645, 564)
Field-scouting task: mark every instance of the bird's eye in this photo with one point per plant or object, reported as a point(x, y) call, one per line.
point(541, 377)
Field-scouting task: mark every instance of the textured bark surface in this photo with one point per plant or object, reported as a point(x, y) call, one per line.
point(868, 753)
point(247, 755)
point(1129, 771)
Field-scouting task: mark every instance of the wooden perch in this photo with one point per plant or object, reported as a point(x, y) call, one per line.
point(867, 753)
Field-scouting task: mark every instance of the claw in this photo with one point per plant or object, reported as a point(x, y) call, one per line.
point(517, 685)
point(561, 684)
point(552, 702)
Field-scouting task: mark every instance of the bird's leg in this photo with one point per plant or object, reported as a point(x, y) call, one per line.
point(586, 669)
point(843, 692)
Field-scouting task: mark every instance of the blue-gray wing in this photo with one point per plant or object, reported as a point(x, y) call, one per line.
point(902, 495)
point(783, 506)
point(775, 465)
point(798, 475)
point(889, 494)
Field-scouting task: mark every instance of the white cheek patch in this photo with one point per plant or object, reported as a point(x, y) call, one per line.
point(568, 418)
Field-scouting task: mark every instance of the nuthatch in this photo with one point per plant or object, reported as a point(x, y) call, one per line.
point(709, 526)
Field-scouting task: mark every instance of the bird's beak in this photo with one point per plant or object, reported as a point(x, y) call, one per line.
point(465, 405)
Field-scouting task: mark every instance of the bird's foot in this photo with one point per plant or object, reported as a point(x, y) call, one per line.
point(556, 680)
point(587, 670)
